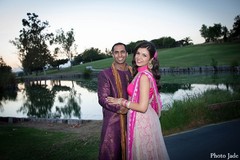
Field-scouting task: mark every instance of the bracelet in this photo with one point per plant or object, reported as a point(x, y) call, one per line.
point(128, 104)
point(124, 101)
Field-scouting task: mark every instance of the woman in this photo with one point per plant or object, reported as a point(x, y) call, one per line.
point(144, 135)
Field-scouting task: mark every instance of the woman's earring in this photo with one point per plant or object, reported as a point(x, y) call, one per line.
point(150, 66)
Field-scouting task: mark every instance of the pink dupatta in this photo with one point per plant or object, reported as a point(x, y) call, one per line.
point(156, 105)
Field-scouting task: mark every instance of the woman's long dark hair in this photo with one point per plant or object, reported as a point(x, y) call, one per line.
point(155, 69)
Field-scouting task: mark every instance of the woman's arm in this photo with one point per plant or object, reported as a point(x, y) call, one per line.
point(143, 97)
point(142, 106)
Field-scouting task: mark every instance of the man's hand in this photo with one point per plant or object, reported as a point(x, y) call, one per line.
point(123, 110)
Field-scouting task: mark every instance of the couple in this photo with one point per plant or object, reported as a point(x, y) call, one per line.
point(135, 96)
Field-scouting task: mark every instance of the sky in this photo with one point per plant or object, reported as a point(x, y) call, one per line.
point(101, 23)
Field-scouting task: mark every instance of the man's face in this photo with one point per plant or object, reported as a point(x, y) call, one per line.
point(119, 54)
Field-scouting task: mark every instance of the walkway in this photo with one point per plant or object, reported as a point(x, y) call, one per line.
point(216, 141)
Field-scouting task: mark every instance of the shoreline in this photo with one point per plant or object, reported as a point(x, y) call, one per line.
point(12, 120)
point(83, 128)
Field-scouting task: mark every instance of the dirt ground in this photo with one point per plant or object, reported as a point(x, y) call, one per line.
point(86, 128)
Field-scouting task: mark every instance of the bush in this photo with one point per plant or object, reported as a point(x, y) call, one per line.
point(87, 73)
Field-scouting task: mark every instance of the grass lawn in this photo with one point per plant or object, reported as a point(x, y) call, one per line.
point(24, 143)
point(200, 55)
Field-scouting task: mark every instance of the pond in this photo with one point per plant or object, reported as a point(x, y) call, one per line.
point(65, 99)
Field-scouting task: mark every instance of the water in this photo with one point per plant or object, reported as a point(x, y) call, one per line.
point(78, 99)
point(194, 90)
point(64, 100)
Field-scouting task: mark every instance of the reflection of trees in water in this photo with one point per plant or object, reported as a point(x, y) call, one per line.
point(172, 88)
point(236, 88)
point(233, 87)
point(72, 106)
point(40, 100)
point(58, 88)
point(10, 94)
point(89, 84)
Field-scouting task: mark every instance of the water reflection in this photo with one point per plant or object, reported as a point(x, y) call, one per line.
point(78, 99)
point(52, 99)
point(188, 91)
point(90, 84)
point(171, 88)
point(40, 100)
point(5, 96)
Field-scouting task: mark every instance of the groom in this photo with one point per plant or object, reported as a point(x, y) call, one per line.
point(113, 82)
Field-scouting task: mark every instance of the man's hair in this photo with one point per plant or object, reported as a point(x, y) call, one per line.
point(119, 43)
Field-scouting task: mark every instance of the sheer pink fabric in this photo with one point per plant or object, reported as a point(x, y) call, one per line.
point(144, 135)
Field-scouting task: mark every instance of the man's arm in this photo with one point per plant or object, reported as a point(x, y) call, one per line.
point(104, 91)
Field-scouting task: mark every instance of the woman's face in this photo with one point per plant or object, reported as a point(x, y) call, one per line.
point(142, 57)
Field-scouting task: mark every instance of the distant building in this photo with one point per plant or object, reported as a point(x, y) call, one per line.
point(66, 65)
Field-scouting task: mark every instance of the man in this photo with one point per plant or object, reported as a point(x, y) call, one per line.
point(113, 82)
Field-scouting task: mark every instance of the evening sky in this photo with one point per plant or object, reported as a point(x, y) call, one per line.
point(101, 23)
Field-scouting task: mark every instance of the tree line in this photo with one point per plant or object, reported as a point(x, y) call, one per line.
point(34, 42)
point(219, 33)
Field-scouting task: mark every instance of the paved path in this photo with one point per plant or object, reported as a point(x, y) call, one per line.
point(215, 141)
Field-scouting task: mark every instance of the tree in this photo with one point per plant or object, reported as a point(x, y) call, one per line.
point(235, 32)
point(108, 52)
point(4, 68)
point(66, 41)
point(204, 32)
point(212, 33)
point(187, 41)
point(58, 62)
point(32, 44)
point(92, 54)
point(167, 42)
point(164, 42)
point(130, 47)
point(217, 29)
point(7, 78)
point(225, 33)
point(78, 59)
point(55, 62)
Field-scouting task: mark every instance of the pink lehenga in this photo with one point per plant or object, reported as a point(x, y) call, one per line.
point(144, 135)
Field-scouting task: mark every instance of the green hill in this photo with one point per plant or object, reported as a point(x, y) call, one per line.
point(200, 55)
point(188, 56)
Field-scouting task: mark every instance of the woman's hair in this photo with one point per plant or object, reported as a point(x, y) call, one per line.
point(152, 50)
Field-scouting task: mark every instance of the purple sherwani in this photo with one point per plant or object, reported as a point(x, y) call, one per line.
point(110, 146)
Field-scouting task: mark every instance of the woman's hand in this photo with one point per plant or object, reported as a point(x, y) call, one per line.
point(114, 101)
point(117, 101)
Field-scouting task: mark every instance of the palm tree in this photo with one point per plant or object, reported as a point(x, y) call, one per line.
point(187, 41)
